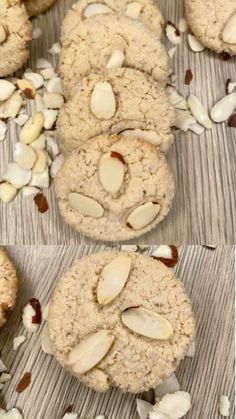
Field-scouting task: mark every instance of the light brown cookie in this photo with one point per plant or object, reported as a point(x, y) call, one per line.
point(8, 285)
point(36, 7)
point(15, 33)
point(208, 20)
point(114, 188)
point(133, 360)
point(145, 10)
point(123, 99)
point(112, 41)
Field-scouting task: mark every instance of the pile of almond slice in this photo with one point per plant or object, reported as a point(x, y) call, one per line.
point(31, 105)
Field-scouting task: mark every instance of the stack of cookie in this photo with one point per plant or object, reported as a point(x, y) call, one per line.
point(116, 125)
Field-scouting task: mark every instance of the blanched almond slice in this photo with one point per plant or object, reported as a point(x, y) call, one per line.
point(3, 34)
point(3, 130)
point(199, 111)
point(184, 120)
point(35, 78)
point(32, 129)
point(147, 323)
point(195, 44)
point(175, 405)
point(6, 89)
point(54, 85)
point(56, 165)
point(116, 60)
point(17, 176)
point(168, 386)
point(7, 192)
point(148, 135)
point(90, 351)
point(103, 102)
point(113, 279)
point(222, 110)
point(50, 117)
point(53, 100)
point(24, 156)
point(111, 173)
point(55, 49)
point(134, 9)
point(143, 215)
point(41, 162)
point(39, 143)
point(96, 9)
point(85, 205)
point(40, 179)
point(11, 107)
point(143, 408)
point(229, 32)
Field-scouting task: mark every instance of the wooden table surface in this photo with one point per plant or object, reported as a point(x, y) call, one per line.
point(209, 279)
point(204, 167)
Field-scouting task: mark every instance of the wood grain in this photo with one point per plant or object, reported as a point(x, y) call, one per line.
point(209, 279)
point(204, 167)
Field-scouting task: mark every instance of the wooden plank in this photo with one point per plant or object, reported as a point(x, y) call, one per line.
point(209, 279)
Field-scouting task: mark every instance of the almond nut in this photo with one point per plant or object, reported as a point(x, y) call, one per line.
point(85, 205)
point(96, 9)
point(103, 102)
point(6, 89)
point(26, 87)
point(116, 60)
point(222, 110)
point(17, 176)
point(113, 279)
point(32, 129)
point(53, 100)
point(173, 33)
point(24, 156)
point(224, 406)
point(147, 323)
point(35, 78)
point(143, 215)
point(134, 9)
point(195, 44)
point(111, 173)
point(7, 192)
point(148, 135)
point(54, 85)
point(175, 405)
point(40, 179)
point(90, 351)
point(199, 111)
point(229, 31)
point(3, 34)
point(41, 162)
point(11, 107)
point(3, 130)
point(169, 386)
point(50, 117)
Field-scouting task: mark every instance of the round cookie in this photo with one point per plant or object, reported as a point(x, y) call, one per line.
point(145, 10)
point(8, 285)
point(36, 7)
point(128, 181)
point(15, 33)
point(134, 363)
point(207, 20)
point(123, 99)
point(89, 48)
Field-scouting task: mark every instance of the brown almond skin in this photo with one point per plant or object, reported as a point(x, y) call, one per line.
point(23, 383)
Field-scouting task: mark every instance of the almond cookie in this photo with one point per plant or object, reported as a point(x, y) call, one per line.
point(114, 188)
point(8, 285)
point(213, 22)
point(15, 33)
point(123, 99)
point(112, 41)
point(120, 319)
point(144, 10)
point(35, 7)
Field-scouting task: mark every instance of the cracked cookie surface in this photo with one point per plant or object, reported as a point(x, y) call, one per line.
point(134, 363)
point(147, 178)
point(8, 285)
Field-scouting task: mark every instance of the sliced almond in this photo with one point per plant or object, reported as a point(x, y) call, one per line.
point(6, 89)
point(3, 130)
point(169, 386)
point(50, 117)
point(222, 110)
point(55, 49)
point(85, 205)
point(224, 406)
point(195, 44)
point(175, 405)
point(148, 135)
point(26, 87)
point(167, 254)
point(90, 351)
point(41, 162)
point(53, 100)
point(143, 408)
point(134, 9)
point(111, 172)
point(184, 120)
point(229, 31)
point(29, 191)
point(40, 179)
point(7, 192)
point(56, 165)
point(3, 34)
point(116, 60)
point(143, 215)
point(21, 119)
point(32, 129)
point(48, 73)
point(17, 176)
point(147, 323)
point(54, 85)
point(35, 78)
point(24, 156)
point(42, 63)
point(11, 107)
point(173, 33)
point(199, 111)
point(113, 279)
point(103, 102)
point(39, 143)
point(96, 9)
point(52, 147)
point(176, 99)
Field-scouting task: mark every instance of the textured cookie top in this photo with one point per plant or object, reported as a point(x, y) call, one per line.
point(208, 18)
point(15, 29)
point(120, 175)
point(35, 7)
point(122, 99)
point(134, 363)
point(8, 285)
point(144, 10)
point(111, 40)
